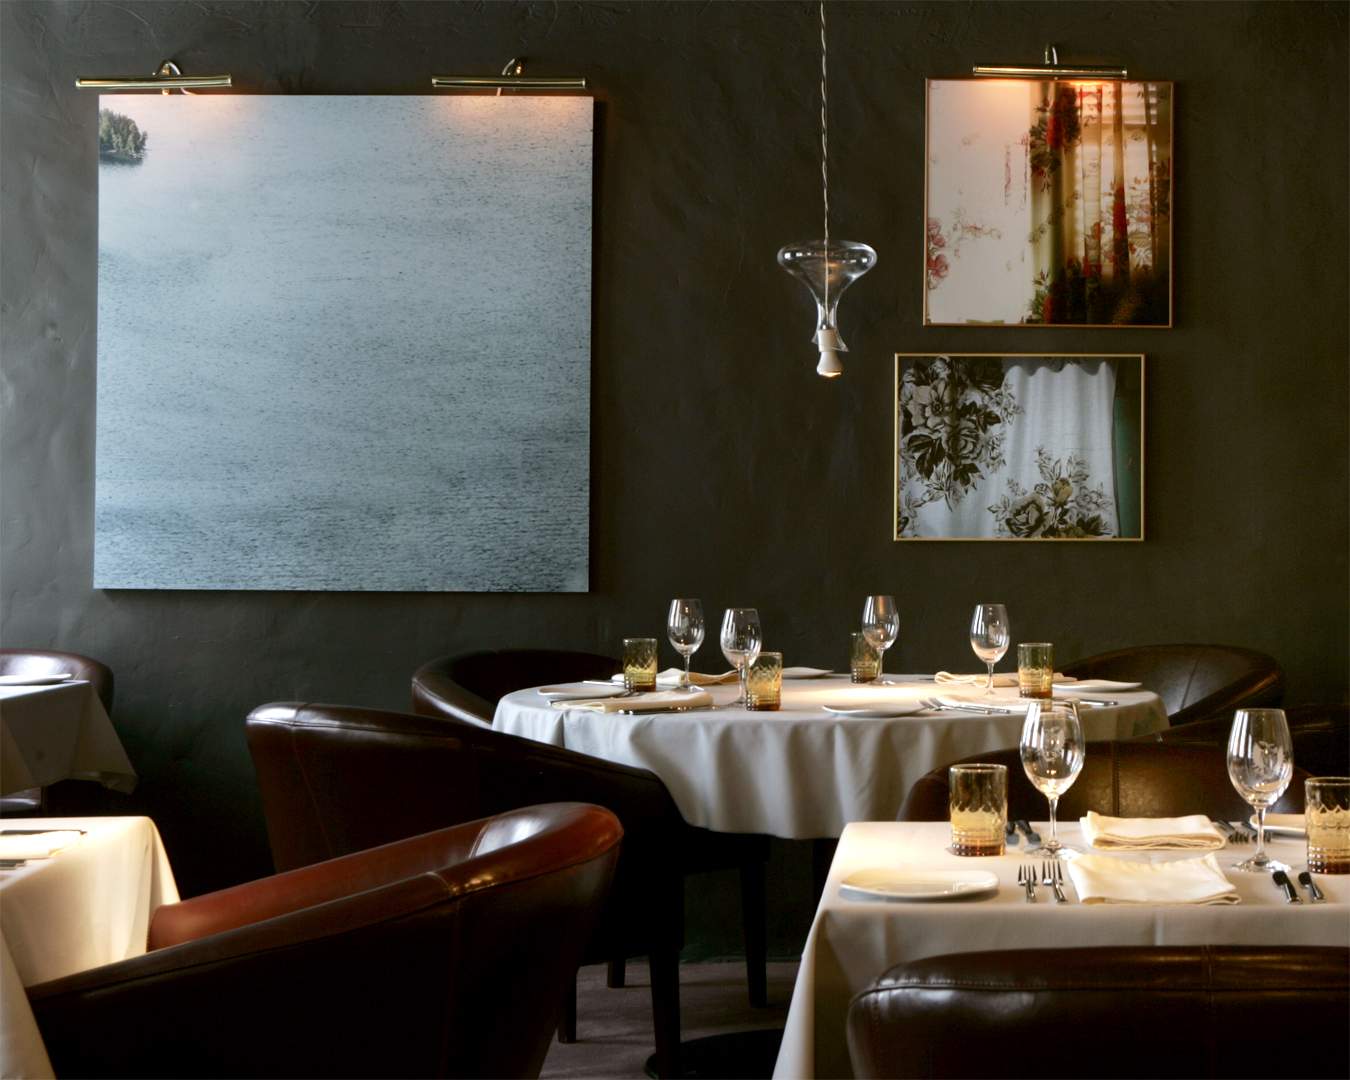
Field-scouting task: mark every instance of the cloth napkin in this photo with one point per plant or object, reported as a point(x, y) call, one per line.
point(1007, 678)
point(1147, 834)
point(673, 677)
point(1106, 879)
point(659, 701)
point(37, 845)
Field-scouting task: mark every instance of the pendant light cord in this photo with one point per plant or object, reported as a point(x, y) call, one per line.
point(825, 153)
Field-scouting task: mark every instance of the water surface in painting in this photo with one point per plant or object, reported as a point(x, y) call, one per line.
point(344, 344)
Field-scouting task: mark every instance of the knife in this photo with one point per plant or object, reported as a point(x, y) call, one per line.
point(1282, 882)
point(1306, 880)
point(1033, 837)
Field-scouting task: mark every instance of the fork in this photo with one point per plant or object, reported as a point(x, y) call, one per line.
point(1026, 877)
point(1052, 876)
point(1234, 837)
point(934, 705)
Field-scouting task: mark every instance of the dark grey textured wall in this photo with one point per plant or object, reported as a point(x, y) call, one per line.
point(723, 467)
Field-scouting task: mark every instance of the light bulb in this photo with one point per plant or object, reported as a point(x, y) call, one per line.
point(837, 266)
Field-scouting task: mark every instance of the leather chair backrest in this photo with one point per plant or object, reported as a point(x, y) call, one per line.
point(38, 662)
point(469, 686)
point(1194, 681)
point(445, 954)
point(1119, 778)
point(1321, 735)
point(1249, 1011)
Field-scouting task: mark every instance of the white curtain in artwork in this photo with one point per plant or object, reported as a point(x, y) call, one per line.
point(1045, 469)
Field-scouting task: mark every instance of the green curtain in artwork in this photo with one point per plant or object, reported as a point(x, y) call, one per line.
point(1099, 159)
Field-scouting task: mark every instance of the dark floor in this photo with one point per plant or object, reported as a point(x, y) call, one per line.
point(614, 1027)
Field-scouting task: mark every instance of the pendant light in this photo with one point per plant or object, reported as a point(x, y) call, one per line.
point(827, 267)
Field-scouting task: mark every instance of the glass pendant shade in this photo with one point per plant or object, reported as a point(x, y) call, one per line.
point(827, 269)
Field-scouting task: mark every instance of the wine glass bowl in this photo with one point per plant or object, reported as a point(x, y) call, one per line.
point(1260, 766)
point(990, 635)
point(880, 626)
point(685, 629)
point(1052, 751)
point(741, 640)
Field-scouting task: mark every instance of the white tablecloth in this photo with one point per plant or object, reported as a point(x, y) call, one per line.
point(86, 906)
point(799, 773)
point(61, 732)
point(851, 944)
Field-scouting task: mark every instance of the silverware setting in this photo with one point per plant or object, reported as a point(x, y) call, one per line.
point(1286, 886)
point(1026, 877)
point(1233, 835)
point(1306, 880)
point(12, 864)
point(1093, 701)
point(934, 705)
point(1052, 876)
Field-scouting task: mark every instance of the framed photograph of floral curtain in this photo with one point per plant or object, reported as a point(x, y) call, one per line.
point(1019, 446)
point(1048, 203)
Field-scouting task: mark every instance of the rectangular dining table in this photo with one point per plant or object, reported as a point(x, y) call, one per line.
point(853, 942)
point(85, 906)
point(801, 772)
point(59, 732)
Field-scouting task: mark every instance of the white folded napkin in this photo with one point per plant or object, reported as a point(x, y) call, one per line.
point(1107, 879)
point(37, 845)
point(1092, 686)
point(1147, 834)
point(1006, 678)
point(658, 701)
point(674, 677)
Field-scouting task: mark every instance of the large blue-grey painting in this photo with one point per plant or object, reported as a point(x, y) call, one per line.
point(344, 343)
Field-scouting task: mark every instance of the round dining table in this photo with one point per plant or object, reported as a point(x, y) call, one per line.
point(802, 772)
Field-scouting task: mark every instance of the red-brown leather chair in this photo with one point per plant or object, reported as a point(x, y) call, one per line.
point(444, 954)
point(1320, 733)
point(40, 663)
point(336, 779)
point(468, 687)
point(1119, 778)
point(1156, 1011)
point(1194, 681)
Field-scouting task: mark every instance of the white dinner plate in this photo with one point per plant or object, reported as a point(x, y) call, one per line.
point(900, 886)
point(805, 673)
point(879, 711)
point(1094, 686)
point(1291, 825)
point(34, 680)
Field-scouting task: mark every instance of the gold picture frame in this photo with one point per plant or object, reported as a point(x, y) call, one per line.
point(966, 458)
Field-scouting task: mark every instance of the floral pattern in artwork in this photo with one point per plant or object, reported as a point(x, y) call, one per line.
point(1064, 505)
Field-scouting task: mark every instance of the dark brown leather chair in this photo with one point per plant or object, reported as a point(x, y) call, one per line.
point(469, 686)
point(1157, 1011)
point(441, 955)
point(1122, 779)
point(1194, 681)
point(39, 663)
point(337, 779)
point(1321, 736)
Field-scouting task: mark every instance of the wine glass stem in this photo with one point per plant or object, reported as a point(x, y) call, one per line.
point(741, 668)
point(687, 658)
point(881, 666)
point(989, 682)
point(1054, 826)
point(1260, 855)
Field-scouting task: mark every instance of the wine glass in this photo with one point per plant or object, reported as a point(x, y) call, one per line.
point(990, 634)
point(880, 626)
point(1260, 764)
point(684, 627)
point(1052, 755)
point(741, 640)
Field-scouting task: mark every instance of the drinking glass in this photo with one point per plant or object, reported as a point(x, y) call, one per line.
point(978, 802)
point(764, 682)
point(1327, 814)
point(684, 627)
point(1052, 755)
point(1036, 669)
point(639, 663)
point(863, 660)
point(741, 640)
point(1260, 765)
point(881, 626)
point(990, 634)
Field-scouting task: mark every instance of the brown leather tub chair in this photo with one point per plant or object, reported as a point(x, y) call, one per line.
point(1321, 735)
point(1122, 779)
point(468, 687)
point(37, 663)
point(1194, 681)
point(336, 779)
point(1157, 1011)
point(441, 955)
